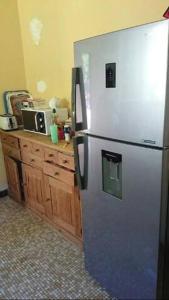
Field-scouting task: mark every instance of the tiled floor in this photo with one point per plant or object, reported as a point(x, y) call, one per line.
point(38, 263)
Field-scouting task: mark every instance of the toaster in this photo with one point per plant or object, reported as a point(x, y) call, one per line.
point(8, 122)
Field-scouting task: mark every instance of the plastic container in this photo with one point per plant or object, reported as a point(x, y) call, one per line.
point(61, 133)
point(54, 133)
point(67, 130)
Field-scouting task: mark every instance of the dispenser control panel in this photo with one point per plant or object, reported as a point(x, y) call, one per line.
point(110, 70)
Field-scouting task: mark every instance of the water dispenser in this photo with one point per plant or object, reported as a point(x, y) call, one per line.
point(112, 173)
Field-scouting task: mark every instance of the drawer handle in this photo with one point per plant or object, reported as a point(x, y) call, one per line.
point(51, 155)
point(25, 146)
point(32, 160)
point(37, 150)
point(65, 161)
point(56, 173)
point(48, 199)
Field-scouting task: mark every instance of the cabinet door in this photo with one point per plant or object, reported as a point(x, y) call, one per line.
point(63, 203)
point(12, 172)
point(33, 188)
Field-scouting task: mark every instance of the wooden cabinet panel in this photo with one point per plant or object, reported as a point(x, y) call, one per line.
point(62, 204)
point(59, 173)
point(32, 153)
point(10, 140)
point(10, 151)
point(32, 160)
point(38, 150)
point(62, 199)
point(13, 179)
point(51, 156)
point(33, 188)
point(26, 146)
point(66, 161)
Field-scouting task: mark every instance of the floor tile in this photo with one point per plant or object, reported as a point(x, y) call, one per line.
point(37, 262)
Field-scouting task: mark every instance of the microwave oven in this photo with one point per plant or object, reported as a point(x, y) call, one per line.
point(37, 120)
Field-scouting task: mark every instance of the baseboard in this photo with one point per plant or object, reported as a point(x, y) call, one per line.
point(3, 190)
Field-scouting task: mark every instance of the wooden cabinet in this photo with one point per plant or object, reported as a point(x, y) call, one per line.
point(13, 178)
point(48, 179)
point(33, 188)
point(62, 201)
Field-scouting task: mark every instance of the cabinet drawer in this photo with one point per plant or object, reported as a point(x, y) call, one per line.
point(66, 161)
point(10, 151)
point(32, 160)
point(37, 150)
point(10, 140)
point(59, 173)
point(51, 156)
point(26, 146)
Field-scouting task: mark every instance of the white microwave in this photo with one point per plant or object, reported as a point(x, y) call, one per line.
point(37, 120)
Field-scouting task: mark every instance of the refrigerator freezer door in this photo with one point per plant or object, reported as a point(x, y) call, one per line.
point(125, 75)
point(121, 231)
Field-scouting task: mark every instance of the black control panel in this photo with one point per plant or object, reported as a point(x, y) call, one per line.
point(110, 70)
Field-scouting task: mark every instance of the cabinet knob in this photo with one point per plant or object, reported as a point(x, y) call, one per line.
point(56, 173)
point(48, 199)
point(65, 161)
point(51, 155)
point(37, 150)
point(25, 146)
point(32, 160)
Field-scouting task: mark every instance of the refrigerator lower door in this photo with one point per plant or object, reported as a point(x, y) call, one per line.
point(121, 217)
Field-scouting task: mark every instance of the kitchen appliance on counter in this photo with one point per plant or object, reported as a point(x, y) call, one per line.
point(8, 122)
point(14, 101)
point(37, 120)
point(120, 111)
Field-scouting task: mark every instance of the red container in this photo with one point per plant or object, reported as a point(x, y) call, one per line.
point(61, 133)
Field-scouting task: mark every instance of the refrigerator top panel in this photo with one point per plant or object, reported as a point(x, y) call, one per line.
point(125, 80)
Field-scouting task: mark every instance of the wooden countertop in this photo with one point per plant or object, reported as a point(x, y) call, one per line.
point(40, 139)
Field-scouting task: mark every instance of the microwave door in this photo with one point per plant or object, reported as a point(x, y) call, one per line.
point(29, 120)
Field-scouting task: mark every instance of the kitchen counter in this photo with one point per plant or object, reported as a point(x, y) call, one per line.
point(40, 139)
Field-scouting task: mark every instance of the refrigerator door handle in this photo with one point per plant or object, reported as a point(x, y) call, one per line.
point(82, 180)
point(77, 79)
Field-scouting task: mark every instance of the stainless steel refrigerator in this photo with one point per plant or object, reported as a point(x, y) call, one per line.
point(120, 111)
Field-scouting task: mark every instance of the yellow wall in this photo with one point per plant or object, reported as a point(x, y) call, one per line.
point(12, 75)
point(65, 21)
